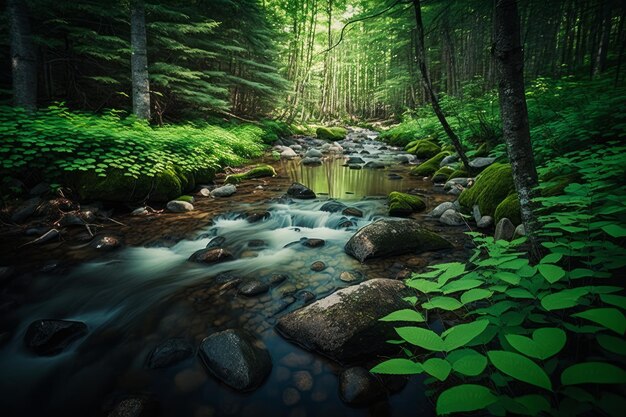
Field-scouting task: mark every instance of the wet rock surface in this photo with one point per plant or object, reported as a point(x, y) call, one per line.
point(169, 352)
point(50, 337)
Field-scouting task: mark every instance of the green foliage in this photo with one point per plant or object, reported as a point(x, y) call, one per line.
point(57, 142)
point(423, 149)
point(530, 319)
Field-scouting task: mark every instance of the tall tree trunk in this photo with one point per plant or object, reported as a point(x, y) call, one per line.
point(139, 61)
point(420, 56)
point(23, 56)
point(509, 58)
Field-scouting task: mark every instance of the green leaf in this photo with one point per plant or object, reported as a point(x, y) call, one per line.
point(616, 300)
point(546, 342)
point(464, 398)
point(515, 264)
point(461, 285)
point(475, 295)
point(612, 343)
point(508, 277)
point(404, 315)
point(424, 285)
point(551, 273)
point(593, 373)
point(551, 258)
point(519, 293)
point(535, 404)
point(611, 318)
point(397, 367)
point(452, 270)
point(439, 368)
point(563, 299)
point(615, 230)
point(520, 368)
point(467, 362)
point(462, 334)
point(423, 338)
point(443, 303)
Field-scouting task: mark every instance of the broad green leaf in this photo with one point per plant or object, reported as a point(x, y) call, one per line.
point(612, 343)
point(423, 338)
point(611, 318)
point(464, 398)
point(535, 404)
point(461, 285)
point(467, 362)
point(580, 273)
point(616, 300)
point(452, 270)
point(423, 285)
point(552, 273)
point(397, 367)
point(615, 230)
point(520, 368)
point(475, 295)
point(551, 258)
point(439, 368)
point(508, 277)
point(519, 293)
point(577, 393)
point(443, 303)
point(546, 342)
point(404, 315)
point(515, 264)
point(593, 373)
point(562, 299)
point(461, 334)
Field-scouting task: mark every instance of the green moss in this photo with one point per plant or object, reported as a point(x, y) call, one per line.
point(402, 204)
point(410, 147)
point(423, 149)
point(509, 208)
point(256, 172)
point(492, 186)
point(482, 151)
point(331, 133)
point(459, 173)
point(442, 174)
point(187, 198)
point(166, 186)
point(448, 148)
point(204, 175)
point(429, 167)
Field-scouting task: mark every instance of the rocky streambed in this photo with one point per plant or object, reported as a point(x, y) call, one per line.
point(259, 301)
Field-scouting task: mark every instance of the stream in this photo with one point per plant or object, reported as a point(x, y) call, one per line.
point(134, 298)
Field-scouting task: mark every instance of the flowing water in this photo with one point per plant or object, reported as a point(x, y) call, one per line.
point(136, 297)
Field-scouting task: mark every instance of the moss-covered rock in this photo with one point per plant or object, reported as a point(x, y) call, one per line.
point(256, 172)
point(448, 148)
point(411, 145)
point(442, 175)
point(186, 198)
point(492, 186)
point(166, 186)
point(402, 204)
point(331, 133)
point(458, 173)
point(509, 208)
point(423, 148)
point(204, 175)
point(429, 167)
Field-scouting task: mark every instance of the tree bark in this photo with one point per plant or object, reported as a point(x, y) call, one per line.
point(139, 61)
point(509, 58)
point(420, 56)
point(23, 56)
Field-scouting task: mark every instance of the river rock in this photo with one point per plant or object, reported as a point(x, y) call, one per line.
point(389, 237)
point(318, 266)
point(237, 358)
point(463, 182)
point(354, 166)
point(350, 276)
point(480, 163)
point(314, 243)
point(276, 279)
point(357, 386)
point(106, 242)
point(135, 407)
point(520, 231)
point(450, 159)
point(26, 209)
point(49, 336)
point(451, 217)
point(355, 160)
point(254, 287)
point(504, 230)
point(311, 161)
point(345, 325)
point(211, 256)
point(374, 165)
point(291, 396)
point(302, 192)
point(303, 380)
point(176, 206)
point(484, 222)
point(313, 153)
point(224, 191)
point(169, 352)
point(216, 242)
point(352, 211)
point(476, 213)
point(333, 206)
point(288, 153)
point(441, 208)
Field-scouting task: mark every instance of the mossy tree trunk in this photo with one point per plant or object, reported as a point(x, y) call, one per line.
point(509, 58)
point(23, 55)
point(139, 60)
point(420, 56)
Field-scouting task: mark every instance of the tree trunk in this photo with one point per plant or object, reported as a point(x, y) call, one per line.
point(23, 56)
point(139, 61)
point(509, 58)
point(420, 56)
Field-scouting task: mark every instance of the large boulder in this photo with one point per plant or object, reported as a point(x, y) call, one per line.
point(509, 208)
point(402, 204)
point(345, 326)
point(492, 186)
point(389, 237)
point(429, 167)
point(237, 358)
point(331, 133)
point(49, 337)
point(300, 191)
